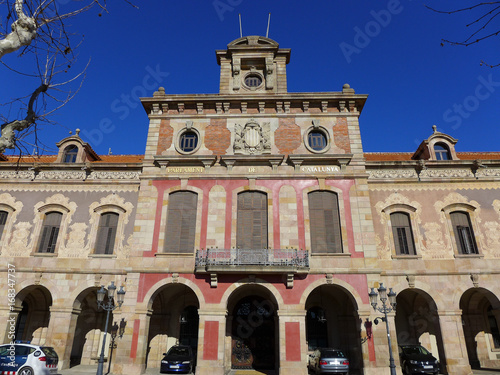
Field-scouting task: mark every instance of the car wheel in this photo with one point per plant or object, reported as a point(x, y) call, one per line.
point(26, 371)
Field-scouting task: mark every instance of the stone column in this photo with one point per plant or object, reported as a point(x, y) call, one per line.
point(130, 354)
point(211, 334)
point(292, 342)
point(455, 351)
point(61, 332)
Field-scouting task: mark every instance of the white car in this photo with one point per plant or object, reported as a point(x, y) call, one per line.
point(27, 359)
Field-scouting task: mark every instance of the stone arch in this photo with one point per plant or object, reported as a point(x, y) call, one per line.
point(481, 325)
point(332, 320)
point(417, 322)
point(147, 301)
point(32, 304)
point(247, 281)
point(166, 305)
point(348, 288)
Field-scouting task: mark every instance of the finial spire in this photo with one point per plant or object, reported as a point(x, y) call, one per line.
point(241, 30)
point(434, 128)
point(268, 22)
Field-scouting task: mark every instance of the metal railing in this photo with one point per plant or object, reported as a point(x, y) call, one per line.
point(252, 257)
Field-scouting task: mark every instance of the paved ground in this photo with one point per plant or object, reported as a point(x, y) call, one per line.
point(91, 370)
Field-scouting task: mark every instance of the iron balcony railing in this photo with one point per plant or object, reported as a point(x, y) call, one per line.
point(252, 257)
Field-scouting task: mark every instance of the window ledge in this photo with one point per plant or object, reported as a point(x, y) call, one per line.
point(406, 257)
point(339, 255)
point(468, 256)
point(102, 255)
point(45, 255)
point(162, 255)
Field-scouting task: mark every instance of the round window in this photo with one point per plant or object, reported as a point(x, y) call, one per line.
point(253, 80)
point(317, 140)
point(188, 141)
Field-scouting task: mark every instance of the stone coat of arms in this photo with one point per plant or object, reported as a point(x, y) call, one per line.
point(252, 139)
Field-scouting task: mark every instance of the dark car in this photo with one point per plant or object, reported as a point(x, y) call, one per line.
point(415, 359)
point(329, 361)
point(179, 359)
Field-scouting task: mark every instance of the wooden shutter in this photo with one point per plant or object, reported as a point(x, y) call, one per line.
point(106, 234)
point(402, 233)
point(464, 234)
point(181, 222)
point(3, 220)
point(324, 219)
point(252, 220)
point(50, 232)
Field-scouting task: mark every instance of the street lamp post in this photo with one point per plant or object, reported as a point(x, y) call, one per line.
point(115, 331)
point(385, 309)
point(108, 306)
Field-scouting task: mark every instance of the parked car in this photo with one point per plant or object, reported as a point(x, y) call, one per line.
point(28, 359)
point(179, 359)
point(329, 361)
point(415, 359)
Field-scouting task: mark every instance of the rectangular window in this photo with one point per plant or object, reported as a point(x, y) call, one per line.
point(252, 220)
point(402, 233)
point(324, 221)
point(50, 232)
point(181, 222)
point(464, 235)
point(3, 220)
point(106, 235)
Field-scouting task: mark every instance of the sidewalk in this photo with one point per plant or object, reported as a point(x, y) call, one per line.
point(91, 370)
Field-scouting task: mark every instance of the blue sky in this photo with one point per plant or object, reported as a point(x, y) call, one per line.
point(389, 50)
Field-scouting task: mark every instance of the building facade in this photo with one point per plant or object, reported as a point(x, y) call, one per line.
point(252, 229)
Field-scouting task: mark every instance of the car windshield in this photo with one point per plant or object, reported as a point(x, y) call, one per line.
point(178, 351)
point(332, 354)
point(415, 350)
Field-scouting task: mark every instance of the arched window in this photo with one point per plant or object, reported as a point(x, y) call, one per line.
point(70, 154)
point(402, 233)
point(252, 220)
point(324, 220)
point(106, 234)
point(181, 222)
point(442, 151)
point(464, 235)
point(50, 232)
point(3, 220)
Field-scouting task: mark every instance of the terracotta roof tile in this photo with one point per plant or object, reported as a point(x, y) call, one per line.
point(406, 156)
point(119, 159)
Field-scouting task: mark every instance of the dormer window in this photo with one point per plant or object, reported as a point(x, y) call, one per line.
point(70, 154)
point(442, 151)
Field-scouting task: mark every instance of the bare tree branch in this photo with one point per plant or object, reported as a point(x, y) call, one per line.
point(481, 24)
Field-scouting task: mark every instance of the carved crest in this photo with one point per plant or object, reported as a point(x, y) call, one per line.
point(252, 139)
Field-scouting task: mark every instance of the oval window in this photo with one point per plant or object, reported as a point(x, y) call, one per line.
point(253, 80)
point(188, 141)
point(317, 140)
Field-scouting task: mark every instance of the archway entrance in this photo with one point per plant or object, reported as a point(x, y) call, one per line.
point(417, 322)
point(174, 321)
point(33, 304)
point(332, 321)
point(481, 324)
point(253, 330)
point(253, 334)
point(89, 329)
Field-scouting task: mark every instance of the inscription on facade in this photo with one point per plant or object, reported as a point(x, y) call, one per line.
point(185, 170)
point(320, 169)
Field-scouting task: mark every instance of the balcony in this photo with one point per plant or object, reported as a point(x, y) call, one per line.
point(288, 261)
